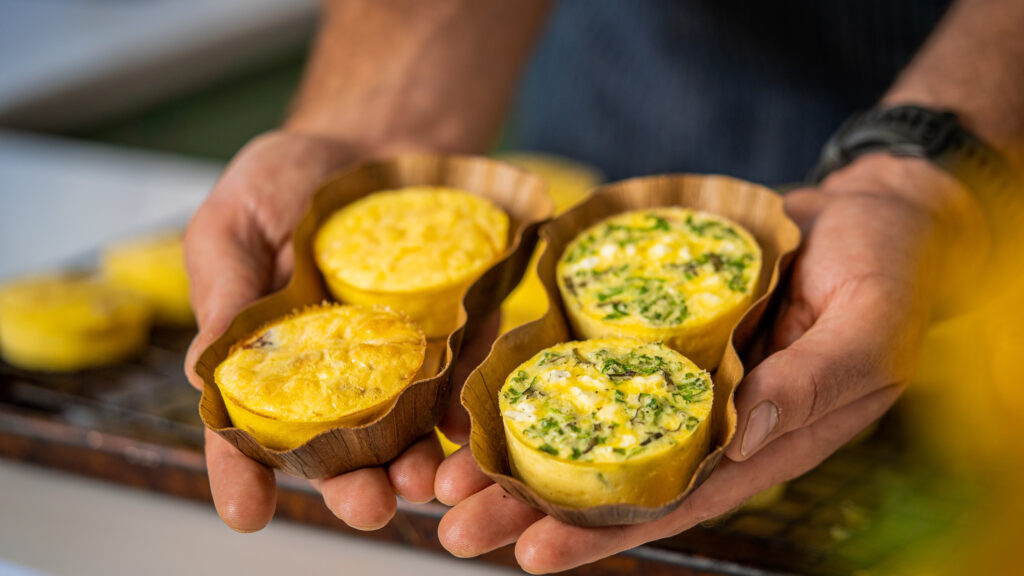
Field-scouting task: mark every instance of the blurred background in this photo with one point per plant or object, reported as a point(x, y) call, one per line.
point(116, 118)
point(99, 96)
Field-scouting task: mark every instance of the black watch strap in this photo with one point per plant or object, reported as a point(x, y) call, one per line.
point(935, 135)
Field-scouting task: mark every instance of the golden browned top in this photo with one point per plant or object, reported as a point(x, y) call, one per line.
point(323, 363)
point(412, 239)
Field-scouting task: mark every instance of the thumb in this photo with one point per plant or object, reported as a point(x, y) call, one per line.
point(859, 344)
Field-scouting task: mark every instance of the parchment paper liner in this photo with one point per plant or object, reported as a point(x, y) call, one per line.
point(755, 207)
point(419, 407)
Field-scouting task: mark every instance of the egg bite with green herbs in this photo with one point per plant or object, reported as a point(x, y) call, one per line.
point(607, 421)
point(671, 275)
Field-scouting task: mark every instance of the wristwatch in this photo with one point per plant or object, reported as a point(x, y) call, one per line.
point(935, 135)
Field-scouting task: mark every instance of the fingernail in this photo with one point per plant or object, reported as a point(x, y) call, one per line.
point(759, 425)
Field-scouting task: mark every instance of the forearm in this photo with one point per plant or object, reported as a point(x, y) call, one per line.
point(394, 75)
point(973, 64)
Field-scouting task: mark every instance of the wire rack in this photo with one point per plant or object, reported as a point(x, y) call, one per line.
point(867, 503)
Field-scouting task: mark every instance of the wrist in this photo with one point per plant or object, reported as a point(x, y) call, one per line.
point(914, 180)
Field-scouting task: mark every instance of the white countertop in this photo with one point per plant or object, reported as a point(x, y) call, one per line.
point(59, 524)
point(59, 200)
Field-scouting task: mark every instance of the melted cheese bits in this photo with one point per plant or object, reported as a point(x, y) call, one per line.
point(664, 274)
point(64, 323)
point(415, 249)
point(319, 369)
point(607, 421)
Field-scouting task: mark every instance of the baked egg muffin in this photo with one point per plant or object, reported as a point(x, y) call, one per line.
point(153, 267)
point(415, 249)
point(320, 368)
point(672, 275)
point(65, 323)
point(607, 421)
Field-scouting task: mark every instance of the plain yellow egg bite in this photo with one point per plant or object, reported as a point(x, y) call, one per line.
point(153, 267)
point(64, 323)
point(415, 249)
point(321, 368)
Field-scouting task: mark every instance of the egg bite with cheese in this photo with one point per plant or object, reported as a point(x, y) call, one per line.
point(606, 421)
point(154, 268)
point(320, 368)
point(67, 322)
point(415, 249)
point(671, 275)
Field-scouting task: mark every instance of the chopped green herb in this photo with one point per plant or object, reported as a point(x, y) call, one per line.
point(619, 310)
point(610, 293)
point(738, 284)
point(550, 357)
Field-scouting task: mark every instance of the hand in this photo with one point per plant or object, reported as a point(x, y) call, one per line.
point(238, 248)
point(842, 348)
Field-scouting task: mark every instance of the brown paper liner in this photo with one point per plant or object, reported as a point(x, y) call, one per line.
point(422, 405)
point(755, 207)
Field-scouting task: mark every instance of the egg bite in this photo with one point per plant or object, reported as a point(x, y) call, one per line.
point(671, 275)
point(65, 323)
point(415, 249)
point(606, 421)
point(317, 369)
point(153, 267)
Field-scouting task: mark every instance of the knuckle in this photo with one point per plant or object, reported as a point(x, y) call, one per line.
point(822, 387)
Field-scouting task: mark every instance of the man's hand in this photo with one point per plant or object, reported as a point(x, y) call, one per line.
point(842, 348)
point(238, 248)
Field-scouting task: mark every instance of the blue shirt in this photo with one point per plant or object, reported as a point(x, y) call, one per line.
point(741, 87)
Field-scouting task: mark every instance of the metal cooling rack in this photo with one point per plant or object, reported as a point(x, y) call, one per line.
point(866, 503)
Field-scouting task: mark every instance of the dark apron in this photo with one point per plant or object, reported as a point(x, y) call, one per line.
point(750, 88)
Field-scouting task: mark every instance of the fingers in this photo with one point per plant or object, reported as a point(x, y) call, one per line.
point(227, 271)
point(244, 491)
point(363, 499)
point(458, 478)
point(228, 261)
point(237, 245)
point(849, 352)
point(412, 474)
point(551, 546)
point(237, 248)
point(485, 521)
